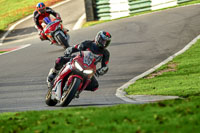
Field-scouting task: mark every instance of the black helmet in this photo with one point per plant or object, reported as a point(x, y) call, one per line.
point(41, 8)
point(103, 39)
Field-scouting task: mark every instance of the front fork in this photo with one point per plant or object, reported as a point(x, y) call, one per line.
point(81, 87)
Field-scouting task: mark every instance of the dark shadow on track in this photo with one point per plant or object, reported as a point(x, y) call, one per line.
point(86, 105)
point(126, 43)
point(17, 34)
point(23, 31)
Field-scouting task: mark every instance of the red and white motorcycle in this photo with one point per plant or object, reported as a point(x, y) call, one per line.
point(72, 79)
point(55, 32)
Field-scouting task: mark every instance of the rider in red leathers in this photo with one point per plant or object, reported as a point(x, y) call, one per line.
point(39, 14)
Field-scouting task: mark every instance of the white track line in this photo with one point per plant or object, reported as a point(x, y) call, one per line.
point(120, 91)
point(80, 22)
point(24, 46)
point(28, 17)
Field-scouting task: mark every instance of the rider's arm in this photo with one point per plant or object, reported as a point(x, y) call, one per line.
point(76, 48)
point(36, 20)
point(104, 63)
point(51, 11)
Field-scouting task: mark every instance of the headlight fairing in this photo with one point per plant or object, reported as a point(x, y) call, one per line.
point(78, 66)
point(88, 71)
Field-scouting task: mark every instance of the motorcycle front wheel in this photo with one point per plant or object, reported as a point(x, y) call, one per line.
point(48, 99)
point(70, 92)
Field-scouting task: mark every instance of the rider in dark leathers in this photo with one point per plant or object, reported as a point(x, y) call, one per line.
point(98, 47)
point(39, 14)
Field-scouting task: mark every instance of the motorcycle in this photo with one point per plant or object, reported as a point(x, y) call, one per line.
point(54, 31)
point(72, 79)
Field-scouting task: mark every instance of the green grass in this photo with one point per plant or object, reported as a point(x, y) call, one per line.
point(91, 23)
point(2, 52)
point(180, 116)
point(13, 10)
point(182, 82)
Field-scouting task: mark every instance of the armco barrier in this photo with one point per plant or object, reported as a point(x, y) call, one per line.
point(111, 9)
point(103, 9)
point(139, 6)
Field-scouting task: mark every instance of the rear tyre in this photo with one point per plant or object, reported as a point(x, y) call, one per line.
point(48, 99)
point(64, 41)
point(69, 94)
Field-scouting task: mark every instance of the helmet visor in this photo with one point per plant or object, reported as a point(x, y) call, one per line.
point(102, 42)
point(42, 10)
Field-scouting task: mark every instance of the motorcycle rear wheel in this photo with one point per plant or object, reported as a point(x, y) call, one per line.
point(69, 94)
point(48, 99)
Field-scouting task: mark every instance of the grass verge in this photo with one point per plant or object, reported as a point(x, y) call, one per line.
point(13, 10)
point(182, 81)
point(2, 52)
point(180, 115)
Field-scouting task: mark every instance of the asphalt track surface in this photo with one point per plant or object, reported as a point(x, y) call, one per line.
point(138, 44)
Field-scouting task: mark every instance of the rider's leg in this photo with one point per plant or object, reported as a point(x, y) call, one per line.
point(60, 61)
point(42, 36)
point(93, 86)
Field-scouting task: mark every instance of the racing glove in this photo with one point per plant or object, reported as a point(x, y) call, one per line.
point(80, 47)
point(101, 71)
point(68, 51)
point(58, 17)
point(42, 35)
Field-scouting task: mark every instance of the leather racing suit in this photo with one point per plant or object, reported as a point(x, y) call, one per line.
point(38, 19)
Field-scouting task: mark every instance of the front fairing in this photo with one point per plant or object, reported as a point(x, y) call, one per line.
point(63, 74)
point(86, 62)
point(52, 27)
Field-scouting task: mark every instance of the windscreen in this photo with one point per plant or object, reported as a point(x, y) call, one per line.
point(88, 57)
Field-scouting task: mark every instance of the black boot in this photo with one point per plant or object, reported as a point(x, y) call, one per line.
point(52, 74)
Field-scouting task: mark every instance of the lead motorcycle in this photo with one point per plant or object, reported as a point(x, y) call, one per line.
point(72, 79)
point(55, 32)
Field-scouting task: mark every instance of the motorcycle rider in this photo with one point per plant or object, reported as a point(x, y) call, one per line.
point(39, 14)
point(98, 47)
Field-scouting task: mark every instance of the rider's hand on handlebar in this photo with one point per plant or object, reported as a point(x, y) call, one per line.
point(68, 51)
point(39, 31)
point(97, 74)
point(58, 18)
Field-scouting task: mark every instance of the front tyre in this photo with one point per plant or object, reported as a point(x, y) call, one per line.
point(48, 99)
point(69, 94)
